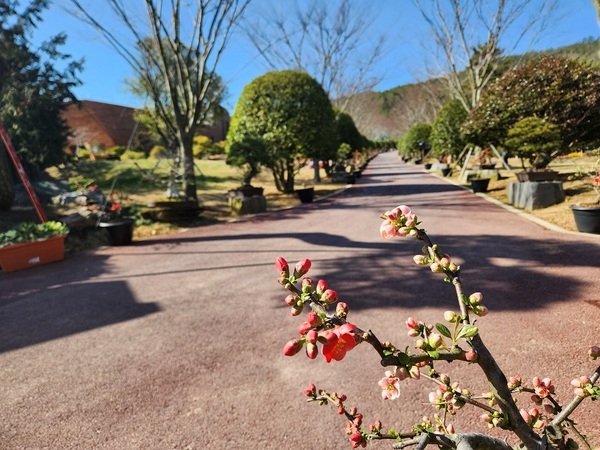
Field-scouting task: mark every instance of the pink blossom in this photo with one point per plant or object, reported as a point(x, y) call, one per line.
point(411, 322)
point(543, 388)
point(387, 229)
point(343, 341)
point(390, 385)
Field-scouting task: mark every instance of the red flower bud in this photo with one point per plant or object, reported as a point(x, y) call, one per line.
point(292, 347)
point(302, 268)
point(329, 296)
point(341, 310)
point(311, 350)
point(281, 266)
point(304, 328)
point(312, 336)
point(307, 285)
point(291, 300)
point(314, 319)
point(311, 390)
point(322, 287)
point(471, 356)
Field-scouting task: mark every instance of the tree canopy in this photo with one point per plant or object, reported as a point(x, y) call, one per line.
point(445, 132)
point(33, 93)
point(179, 47)
point(291, 114)
point(556, 89)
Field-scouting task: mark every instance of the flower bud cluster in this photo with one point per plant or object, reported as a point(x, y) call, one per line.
point(438, 425)
point(584, 388)
point(514, 383)
point(353, 429)
point(495, 419)
point(448, 396)
point(543, 388)
point(400, 221)
point(530, 417)
point(437, 261)
point(416, 328)
point(474, 304)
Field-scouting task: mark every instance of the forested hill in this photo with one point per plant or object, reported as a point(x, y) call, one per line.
point(388, 114)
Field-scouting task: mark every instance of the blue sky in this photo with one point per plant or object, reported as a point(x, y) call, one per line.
point(105, 70)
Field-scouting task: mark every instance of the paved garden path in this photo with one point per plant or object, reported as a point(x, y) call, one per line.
point(175, 342)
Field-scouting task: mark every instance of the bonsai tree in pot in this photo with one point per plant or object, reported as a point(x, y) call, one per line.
point(536, 140)
point(249, 154)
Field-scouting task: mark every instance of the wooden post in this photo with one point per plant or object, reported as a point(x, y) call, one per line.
point(24, 178)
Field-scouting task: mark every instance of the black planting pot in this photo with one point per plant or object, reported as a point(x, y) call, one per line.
point(587, 218)
point(306, 195)
point(480, 184)
point(120, 232)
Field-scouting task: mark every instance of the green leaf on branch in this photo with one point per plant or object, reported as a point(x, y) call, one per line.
point(403, 359)
point(444, 331)
point(433, 353)
point(467, 331)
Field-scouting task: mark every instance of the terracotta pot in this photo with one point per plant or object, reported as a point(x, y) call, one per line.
point(587, 218)
point(31, 254)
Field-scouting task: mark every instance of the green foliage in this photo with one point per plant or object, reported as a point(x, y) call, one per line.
point(291, 114)
point(204, 146)
point(158, 152)
point(33, 93)
point(534, 139)
point(445, 135)
point(116, 151)
point(556, 89)
point(30, 231)
point(248, 154)
point(133, 154)
point(347, 131)
point(410, 144)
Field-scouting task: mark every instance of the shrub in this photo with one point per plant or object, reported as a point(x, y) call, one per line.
point(411, 144)
point(445, 135)
point(133, 154)
point(534, 139)
point(158, 152)
point(556, 89)
point(290, 112)
point(116, 151)
point(204, 146)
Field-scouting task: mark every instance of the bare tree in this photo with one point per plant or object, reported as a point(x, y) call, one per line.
point(328, 40)
point(468, 35)
point(176, 51)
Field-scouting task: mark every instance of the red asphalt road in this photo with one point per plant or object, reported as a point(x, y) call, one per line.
point(175, 342)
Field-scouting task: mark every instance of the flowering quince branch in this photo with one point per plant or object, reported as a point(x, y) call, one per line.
point(458, 341)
